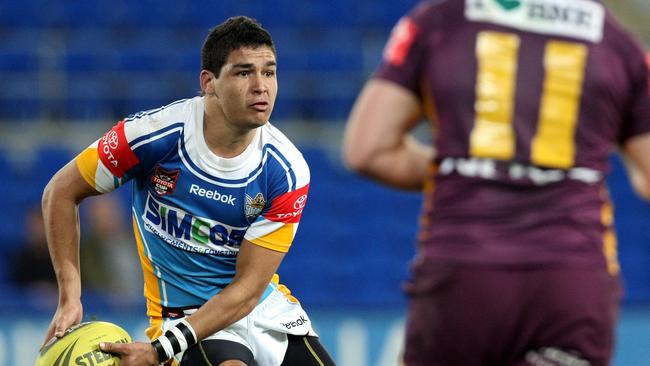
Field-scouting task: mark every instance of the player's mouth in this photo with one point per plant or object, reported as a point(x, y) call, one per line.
point(260, 106)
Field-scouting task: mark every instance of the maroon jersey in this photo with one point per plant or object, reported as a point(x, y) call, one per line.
point(528, 98)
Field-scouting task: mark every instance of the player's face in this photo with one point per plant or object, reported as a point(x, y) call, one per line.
point(247, 86)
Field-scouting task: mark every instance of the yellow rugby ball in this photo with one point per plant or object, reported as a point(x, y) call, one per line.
point(80, 346)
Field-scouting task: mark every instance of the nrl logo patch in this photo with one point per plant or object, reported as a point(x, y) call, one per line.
point(164, 181)
point(254, 206)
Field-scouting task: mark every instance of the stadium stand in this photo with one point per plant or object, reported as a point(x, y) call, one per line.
point(100, 61)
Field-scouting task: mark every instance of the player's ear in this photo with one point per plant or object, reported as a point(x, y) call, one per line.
point(206, 79)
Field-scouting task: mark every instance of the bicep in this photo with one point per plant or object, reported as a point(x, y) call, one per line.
point(68, 183)
point(382, 115)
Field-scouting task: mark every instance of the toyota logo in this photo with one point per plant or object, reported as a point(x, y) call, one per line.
point(300, 202)
point(112, 140)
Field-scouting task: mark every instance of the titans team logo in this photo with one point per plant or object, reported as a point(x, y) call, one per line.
point(164, 181)
point(254, 206)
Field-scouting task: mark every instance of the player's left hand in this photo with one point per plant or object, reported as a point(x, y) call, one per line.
point(133, 354)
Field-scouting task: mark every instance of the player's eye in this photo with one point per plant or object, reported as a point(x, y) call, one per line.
point(269, 73)
point(243, 73)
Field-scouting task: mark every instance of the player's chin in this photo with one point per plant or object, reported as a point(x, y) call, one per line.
point(259, 119)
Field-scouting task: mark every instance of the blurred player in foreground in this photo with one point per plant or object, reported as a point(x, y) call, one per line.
point(218, 195)
point(516, 260)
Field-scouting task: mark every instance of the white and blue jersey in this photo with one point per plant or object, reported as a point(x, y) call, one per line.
point(192, 208)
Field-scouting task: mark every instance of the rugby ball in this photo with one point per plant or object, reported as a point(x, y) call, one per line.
point(80, 346)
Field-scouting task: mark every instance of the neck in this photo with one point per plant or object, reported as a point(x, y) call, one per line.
point(223, 139)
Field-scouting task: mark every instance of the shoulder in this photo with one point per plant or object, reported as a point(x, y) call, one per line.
point(624, 43)
point(618, 36)
point(280, 148)
point(178, 112)
point(168, 120)
point(429, 12)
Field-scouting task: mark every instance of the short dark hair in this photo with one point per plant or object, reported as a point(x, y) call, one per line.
point(234, 33)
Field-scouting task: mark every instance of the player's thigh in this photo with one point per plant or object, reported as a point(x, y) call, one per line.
point(455, 312)
point(306, 351)
point(578, 312)
point(221, 352)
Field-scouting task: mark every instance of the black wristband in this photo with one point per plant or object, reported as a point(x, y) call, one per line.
point(162, 355)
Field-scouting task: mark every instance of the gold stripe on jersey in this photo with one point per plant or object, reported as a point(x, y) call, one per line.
point(151, 289)
point(493, 134)
point(87, 162)
point(279, 240)
point(553, 144)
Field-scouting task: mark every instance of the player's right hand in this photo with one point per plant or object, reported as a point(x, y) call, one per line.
point(66, 315)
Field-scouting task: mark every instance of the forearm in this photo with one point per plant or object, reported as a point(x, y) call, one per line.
point(60, 205)
point(634, 155)
point(404, 166)
point(255, 268)
point(224, 309)
point(61, 217)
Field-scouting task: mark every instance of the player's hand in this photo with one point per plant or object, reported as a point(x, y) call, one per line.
point(133, 354)
point(66, 315)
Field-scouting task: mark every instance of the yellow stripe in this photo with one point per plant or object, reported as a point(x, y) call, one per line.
point(493, 133)
point(610, 244)
point(427, 206)
point(311, 350)
point(429, 107)
point(282, 288)
point(279, 240)
point(87, 162)
point(553, 144)
point(151, 288)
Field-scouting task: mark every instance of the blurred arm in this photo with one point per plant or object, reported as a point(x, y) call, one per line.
point(377, 141)
point(60, 202)
point(636, 155)
point(255, 268)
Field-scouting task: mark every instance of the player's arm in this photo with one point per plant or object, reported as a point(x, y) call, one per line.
point(60, 202)
point(377, 142)
point(636, 153)
point(255, 268)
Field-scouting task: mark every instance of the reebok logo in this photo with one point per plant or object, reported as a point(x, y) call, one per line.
point(300, 321)
point(212, 194)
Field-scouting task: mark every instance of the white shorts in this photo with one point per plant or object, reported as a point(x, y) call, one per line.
point(264, 331)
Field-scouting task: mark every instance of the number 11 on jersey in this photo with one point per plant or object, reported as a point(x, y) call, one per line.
point(493, 135)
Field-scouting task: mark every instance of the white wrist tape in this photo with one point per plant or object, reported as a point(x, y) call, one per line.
point(177, 339)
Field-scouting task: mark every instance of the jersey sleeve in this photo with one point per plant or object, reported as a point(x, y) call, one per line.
point(405, 50)
point(638, 118)
point(276, 226)
point(130, 147)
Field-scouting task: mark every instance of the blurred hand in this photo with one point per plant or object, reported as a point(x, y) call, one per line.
point(66, 315)
point(133, 354)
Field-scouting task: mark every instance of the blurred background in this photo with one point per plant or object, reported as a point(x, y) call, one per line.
point(69, 70)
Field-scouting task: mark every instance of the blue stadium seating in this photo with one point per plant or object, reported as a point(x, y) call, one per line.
point(106, 59)
point(162, 40)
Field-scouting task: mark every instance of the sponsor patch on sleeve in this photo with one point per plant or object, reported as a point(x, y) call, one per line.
point(115, 152)
point(399, 44)
point(288, 207)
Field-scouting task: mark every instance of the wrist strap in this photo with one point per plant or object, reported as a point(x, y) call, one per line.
point(177, 339)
